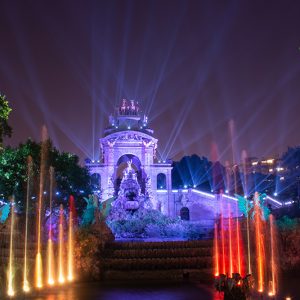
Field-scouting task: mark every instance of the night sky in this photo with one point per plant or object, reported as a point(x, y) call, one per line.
point(193, 66)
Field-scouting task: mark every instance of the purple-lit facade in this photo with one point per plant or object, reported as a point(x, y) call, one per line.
point(128, 138)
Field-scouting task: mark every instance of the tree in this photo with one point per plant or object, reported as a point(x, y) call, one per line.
point(69, 177)
point(192, 171)
point(5, 129)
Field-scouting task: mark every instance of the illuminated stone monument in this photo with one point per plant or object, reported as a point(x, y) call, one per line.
point(128, 141)
point(128, 168)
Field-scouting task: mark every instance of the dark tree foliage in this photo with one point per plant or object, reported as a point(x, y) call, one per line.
point(192, 171)
point(70, 177)
point(218, 175)
point(5, 129)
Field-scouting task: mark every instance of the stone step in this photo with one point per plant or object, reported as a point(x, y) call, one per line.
point(159, 253)
point(157, 263)
point(203, 275)
point(160, 245)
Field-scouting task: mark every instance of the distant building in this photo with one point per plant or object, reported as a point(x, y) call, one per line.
point(264, 166)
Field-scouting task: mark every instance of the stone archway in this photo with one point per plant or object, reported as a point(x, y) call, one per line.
point(161, 181)
point(185, 213)
point(96, 181)
point(122, 164)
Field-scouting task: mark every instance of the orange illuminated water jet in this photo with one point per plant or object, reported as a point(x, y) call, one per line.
point(10, 273)
point(50, 262)
point(259, 244)
point(61, 277)
point(26, 287)
point(273, 257)
point(39, 269)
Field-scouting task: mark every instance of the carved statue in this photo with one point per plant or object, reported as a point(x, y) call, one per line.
point(4, 212)
point(123, 107)
point(111, 143)
point(148, 182)
point(129, 163)
point(132, 108)
point(88, 217)
point(111, 120)
point(147, 144)
point(110, 181)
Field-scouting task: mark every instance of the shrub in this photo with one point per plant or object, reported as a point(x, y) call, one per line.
point(87, 253)
point(289, 238)
point(152, 223)
point(153, 230)
point(175, 230)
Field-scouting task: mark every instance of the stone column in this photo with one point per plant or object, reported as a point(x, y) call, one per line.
point(154, 185)
point(171, 204)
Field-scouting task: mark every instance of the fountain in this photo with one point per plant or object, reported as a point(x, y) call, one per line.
point(70, 247)
point(50, 241)
point(39, 264)
point(274, 256)
point(61, 277)
point(216, 250)
point(26, 287)
point(129, 198)
point(10, 274)
point(29, 282)
point(260, 253)
point(261, 231)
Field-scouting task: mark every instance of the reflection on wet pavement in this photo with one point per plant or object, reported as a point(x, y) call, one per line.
point(119, 291)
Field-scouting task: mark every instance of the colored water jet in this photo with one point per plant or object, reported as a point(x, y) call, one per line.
point(239, 243)
point(239, 246)
point(259, 244)
point(61, 277)
point(216, 250)
point(230, 242)
point(50, 256)
point(222, 238)
point(273, 243)
point(70, 248)
point(10, 273)
point(26, 286)
point(248, 238)
point(39, 269)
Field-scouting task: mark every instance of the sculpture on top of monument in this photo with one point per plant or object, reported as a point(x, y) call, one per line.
point(130, 198)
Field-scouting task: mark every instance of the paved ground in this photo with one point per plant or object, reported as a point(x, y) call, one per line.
point(154, 291)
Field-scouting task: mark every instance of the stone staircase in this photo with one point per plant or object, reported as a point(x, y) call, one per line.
point(174, 260)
